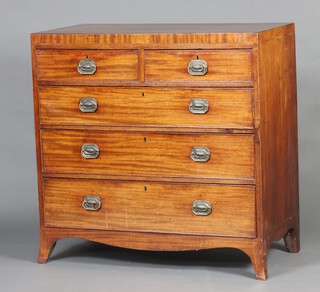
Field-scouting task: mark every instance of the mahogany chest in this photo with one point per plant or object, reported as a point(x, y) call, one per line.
point(168, 137)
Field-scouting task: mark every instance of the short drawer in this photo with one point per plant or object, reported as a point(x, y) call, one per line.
point(154, 107)
point(87, 66)
point(149, 154)
point(150, 207)
point(202, 67)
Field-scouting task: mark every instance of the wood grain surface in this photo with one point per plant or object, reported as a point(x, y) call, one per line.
point(225, 35)
point(112, 65)
point(160, 28)
point(137, 154)
point(152, 107)
point(150, 207)
point(279, 136)
point(225, 67)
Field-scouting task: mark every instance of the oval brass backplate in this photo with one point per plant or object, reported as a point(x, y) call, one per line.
point(91, 203)
point(87, 67)
point(201, 208)
point(198, 67)
point(90, 151)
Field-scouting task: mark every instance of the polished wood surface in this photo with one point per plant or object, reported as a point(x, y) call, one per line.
point(155, 35)
point(159, 28)
point(152, 107)
point(151, 207)
point(279, 135)
point(251, 123)
point(225, 67)
point(61, 65)
point(137, 154)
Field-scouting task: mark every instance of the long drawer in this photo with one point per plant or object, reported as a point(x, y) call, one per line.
point(160, 107)
point(149, 154)
point(217, 67)
point(97, 66)
point(150, 207)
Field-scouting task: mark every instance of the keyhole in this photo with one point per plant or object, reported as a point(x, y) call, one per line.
point(142, 94)
point(145, 139)
point(87, 56)
point(145, 189)
point(197, 57)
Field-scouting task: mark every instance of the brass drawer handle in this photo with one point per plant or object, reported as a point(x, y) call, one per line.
point(198, 106)
point(200, 154)
point(90, 151)
point(88, 105)
point(198, 67)
point(91, 203)
point(201, 208)
point(87, 67)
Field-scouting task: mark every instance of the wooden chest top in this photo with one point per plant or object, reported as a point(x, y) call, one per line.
point(95, 34)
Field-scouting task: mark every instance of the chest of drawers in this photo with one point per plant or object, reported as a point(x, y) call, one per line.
point(168, 137)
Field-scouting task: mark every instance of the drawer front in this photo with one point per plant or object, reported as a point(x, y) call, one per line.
point(205, 108)
point(223, 66)
point(123, 153)
point(150, 207)
point(111, 66)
